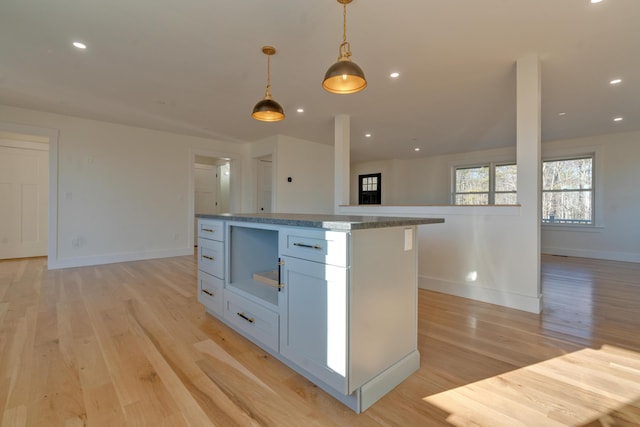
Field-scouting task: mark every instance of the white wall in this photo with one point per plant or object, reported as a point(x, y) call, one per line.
point(263, 149)
point(388, 177)
point(617, 174)
point(310, 166)
point(422, 181)
point(122, 192)
point(478, 252)
point(475, 254)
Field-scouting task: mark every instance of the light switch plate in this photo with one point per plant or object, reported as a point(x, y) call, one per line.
point(408, 239)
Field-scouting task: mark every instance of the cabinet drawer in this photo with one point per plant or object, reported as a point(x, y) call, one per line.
point(327, 247)
point(211, 229)
point(211, 257)
point(255, 321)
point(210, 293)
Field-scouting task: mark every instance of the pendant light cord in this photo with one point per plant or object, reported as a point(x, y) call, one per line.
point(344, 22)
point(345, 47)
point(267, 95)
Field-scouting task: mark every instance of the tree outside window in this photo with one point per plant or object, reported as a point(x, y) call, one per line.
point(491, 184)
point(567, 188)
point(567, 191)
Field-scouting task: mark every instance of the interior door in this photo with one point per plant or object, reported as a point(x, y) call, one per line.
point(206, 189)
point(24, 183)
point(224, 173)
point(264, 185)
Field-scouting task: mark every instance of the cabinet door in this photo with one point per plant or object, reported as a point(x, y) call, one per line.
point(313, 324)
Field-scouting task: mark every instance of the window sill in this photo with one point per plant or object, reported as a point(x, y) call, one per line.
point(578, 228)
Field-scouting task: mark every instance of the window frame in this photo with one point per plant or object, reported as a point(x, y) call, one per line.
point(550, 152)
point(491, 193)
point(594, 190)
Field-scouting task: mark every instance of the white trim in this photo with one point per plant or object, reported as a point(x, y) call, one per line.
point(492, 296)
point(25, 145)
point(83, 261)
point(52, 135)
point(575, 228)
point(550, 153)
point(430, 210)
point(586, 253)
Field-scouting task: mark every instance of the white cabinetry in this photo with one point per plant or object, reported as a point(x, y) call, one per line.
point(211, 264)
point(313, 324)
point(339, 307)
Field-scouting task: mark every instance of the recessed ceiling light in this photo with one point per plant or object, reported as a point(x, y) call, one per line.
point(416, 149)
point(595, 1)
point(367, 135)
point(562, 113)
point(79, 45)
point(617, 119)
point(394, 75)
point(300, 110)
point(615, 81)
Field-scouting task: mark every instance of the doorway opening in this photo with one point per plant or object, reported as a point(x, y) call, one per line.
point(211, 186)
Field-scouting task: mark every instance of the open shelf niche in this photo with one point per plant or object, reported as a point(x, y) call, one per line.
point(255, 276)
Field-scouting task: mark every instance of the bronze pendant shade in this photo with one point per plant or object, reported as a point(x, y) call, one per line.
point(345, 76)
point(267, 109)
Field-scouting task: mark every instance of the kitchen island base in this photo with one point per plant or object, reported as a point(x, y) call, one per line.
point(342, 310)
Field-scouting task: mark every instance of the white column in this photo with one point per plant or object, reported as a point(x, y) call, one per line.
point(342, 160)
point(528, 140)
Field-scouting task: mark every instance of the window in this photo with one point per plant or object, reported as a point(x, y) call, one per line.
point(567, 188)
point(472, 186)
point(370, 189)
point(506, 185)
point(492, 184)
point(567, 191)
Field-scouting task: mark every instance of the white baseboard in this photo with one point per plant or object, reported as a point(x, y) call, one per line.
point(84, 261)
point(586, 253)
point(388, 379)
point(492, 296)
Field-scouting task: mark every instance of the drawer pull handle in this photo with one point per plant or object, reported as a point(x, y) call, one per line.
point(208, 230)
point(208, 257)
point(280, 264)
point(211, 294)
point(304, 245)
point(244, 316)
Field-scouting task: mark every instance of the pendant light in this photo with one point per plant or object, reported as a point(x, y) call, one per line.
point(268, 110)
point(345, 76)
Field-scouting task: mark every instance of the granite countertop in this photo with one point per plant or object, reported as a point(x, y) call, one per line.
point(324, 221)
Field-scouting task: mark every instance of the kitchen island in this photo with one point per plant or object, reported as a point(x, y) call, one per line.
point(334, 297)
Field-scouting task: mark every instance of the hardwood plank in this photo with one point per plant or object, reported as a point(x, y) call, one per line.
point(129, 344)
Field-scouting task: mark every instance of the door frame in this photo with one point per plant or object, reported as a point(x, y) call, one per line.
point(52, 136)
point(235, 174)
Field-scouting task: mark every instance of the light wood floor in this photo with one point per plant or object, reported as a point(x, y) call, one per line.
point(128, 344)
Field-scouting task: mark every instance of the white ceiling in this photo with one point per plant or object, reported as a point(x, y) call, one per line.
point(196, 67)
